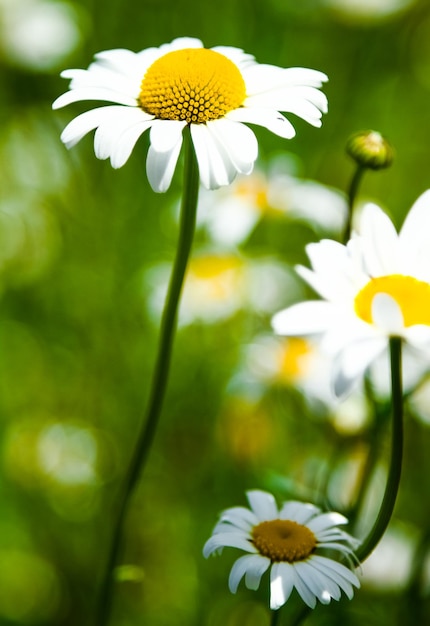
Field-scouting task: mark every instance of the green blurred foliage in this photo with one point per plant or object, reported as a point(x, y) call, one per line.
point(77, 342)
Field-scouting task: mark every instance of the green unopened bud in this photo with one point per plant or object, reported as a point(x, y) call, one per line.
point(369, 149)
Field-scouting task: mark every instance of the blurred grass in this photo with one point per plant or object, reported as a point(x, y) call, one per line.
point(77, 342)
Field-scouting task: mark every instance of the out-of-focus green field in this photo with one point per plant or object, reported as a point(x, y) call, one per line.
point(81, 247)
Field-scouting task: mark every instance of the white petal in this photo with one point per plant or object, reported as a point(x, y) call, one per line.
point(262, 78)
point(317, 584)
point(387, 314)
point(122, 61)
point(379, 242)
point(160, 166)
point(418, 336)
point(240, 517)
point(417, 222)
point(239, 142)
point(113, 126)
point(230, 540)
point(238, 56)
point(93, 93)
point(340, 574)
point(181, 43)
point(165, 134)
point(254, 573)
point(253, 565)
point(305, 318)
point(298, 511)
point(326, 520)
point(353, 361)
point(104, 75)
point(214, 166)
point(281, 584)
point(267, 117)
point(414, 239)
point(263, 504)
point(305, 593)
point(305, 76)
point(110, 115)
point(125, 143)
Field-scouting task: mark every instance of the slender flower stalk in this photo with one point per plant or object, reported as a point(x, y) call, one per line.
point(161, 371)
point(393, 481)
point(274, 621)
point(352, 194)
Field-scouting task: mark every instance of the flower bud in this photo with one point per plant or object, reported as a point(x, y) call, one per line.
point(369, 149)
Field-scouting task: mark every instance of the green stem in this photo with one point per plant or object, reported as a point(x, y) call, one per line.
point(275, 618)
point(381, 413)
point(161, 371)
point(352, 193)
point(301, 615)
point(393, 481)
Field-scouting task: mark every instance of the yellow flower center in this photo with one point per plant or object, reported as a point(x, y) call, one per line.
point(194, 85)
point(412, 296)
point(284, 540)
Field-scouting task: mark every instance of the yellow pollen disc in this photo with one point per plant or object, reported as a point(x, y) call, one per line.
point(194, 85)
point(412, 296)
point(284, 540)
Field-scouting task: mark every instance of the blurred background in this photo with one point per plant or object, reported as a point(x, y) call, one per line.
point(85, 253)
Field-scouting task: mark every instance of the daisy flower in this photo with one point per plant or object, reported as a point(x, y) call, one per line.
point(374, 288)
point(289, 542)
point(214, 92)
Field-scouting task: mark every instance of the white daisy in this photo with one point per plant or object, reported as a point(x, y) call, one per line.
point(213, 91)
point(289, 542)
point(374, 288)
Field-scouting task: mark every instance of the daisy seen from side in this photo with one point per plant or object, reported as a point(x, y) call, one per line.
point(374, 288)
point(289, 542)
point(215, 92)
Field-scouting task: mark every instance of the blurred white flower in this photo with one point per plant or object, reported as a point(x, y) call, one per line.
point(299, 363)
point(220, 284)
point(68, 454)
point(389, 566)
point(38, 34)
point(367, 10)
point(231, 214)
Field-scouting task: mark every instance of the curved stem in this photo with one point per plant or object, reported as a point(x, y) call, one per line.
point(161, 370)
point(381, 414)
point(352, 193)
point(393, 481)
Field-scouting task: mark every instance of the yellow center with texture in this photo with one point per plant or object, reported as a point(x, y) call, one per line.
point(194, 85)
point(284, 540)
point(412, 296)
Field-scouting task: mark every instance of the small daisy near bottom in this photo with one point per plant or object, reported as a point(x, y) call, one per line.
point(215, 92)
point(289, 542)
